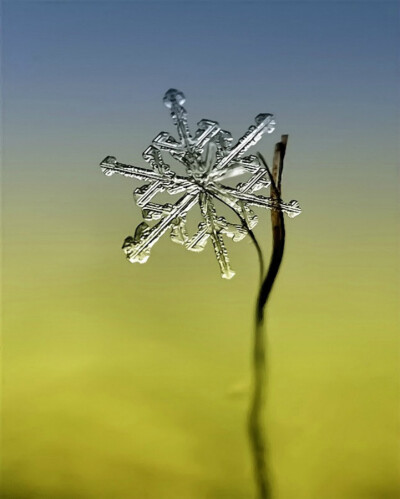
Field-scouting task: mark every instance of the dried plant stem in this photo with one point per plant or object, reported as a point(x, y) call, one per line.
point(255, 421)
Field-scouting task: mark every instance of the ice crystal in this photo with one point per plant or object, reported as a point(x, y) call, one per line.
point(209, 158)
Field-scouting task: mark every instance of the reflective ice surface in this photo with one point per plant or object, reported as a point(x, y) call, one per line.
point(209, 158)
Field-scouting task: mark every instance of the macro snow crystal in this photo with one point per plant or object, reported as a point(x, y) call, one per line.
point(209, 158)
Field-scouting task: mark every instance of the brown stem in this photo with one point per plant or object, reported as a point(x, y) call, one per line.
point(255, 422)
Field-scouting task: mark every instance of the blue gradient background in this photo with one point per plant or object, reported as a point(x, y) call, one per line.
point(131, 381)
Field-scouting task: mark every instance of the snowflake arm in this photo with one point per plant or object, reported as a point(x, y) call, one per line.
point(265, 123)
point(138, 248)
point(169, 180)
point(234, 196)
point(215, 226)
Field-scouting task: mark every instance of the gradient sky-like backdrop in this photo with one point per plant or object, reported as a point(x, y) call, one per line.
point(132, 381)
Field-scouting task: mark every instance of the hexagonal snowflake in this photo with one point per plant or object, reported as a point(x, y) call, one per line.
point(209, 158)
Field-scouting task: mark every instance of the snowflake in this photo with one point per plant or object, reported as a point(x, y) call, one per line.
point(209, 158)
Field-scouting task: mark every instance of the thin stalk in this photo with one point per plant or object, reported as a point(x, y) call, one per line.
point(257, 436)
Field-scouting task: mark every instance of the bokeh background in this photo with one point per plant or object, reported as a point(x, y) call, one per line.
point(132, 381)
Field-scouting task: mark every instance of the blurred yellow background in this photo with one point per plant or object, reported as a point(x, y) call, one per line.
point(126, 380)
point(132, 381)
